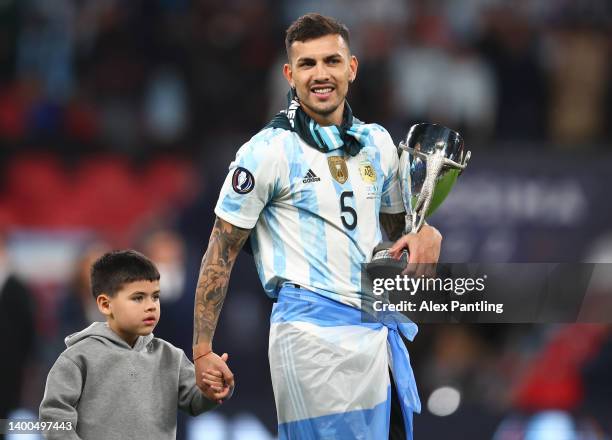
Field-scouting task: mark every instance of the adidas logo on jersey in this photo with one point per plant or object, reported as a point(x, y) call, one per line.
point(311, 177)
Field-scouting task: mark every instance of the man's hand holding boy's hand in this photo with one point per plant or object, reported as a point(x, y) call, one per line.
point(214, 378)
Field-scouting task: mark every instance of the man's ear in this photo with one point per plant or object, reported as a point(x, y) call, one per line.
point(104, 306)
point(353, 64)
point(288, 74)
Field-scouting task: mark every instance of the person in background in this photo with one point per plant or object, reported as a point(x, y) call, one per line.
point(17, 333)
point(77, 308)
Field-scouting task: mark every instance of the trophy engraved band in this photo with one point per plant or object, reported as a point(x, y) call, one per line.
point(433, 156)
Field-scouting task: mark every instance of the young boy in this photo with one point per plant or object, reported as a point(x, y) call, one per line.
point(116, 380)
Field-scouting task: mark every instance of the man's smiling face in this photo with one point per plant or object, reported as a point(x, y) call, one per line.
point(320, 70)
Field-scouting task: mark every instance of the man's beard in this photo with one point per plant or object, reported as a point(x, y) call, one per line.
point(321, 112)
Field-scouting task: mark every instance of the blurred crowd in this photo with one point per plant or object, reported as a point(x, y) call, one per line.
point(119, 90)
point(140, 76)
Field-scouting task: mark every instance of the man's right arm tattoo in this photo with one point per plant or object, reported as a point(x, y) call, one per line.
point(225, 242)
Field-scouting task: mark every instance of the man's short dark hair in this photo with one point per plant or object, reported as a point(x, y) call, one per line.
point(311, 26)
point(114, 269)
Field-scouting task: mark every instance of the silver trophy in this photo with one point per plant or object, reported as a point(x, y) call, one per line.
point(433, 157)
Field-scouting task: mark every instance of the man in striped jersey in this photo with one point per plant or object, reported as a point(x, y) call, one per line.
point(312, 190)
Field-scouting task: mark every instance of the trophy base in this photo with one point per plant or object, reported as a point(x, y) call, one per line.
point(381, 255)
point(383, 265)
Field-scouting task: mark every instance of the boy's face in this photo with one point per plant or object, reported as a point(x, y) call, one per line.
point(133, 311)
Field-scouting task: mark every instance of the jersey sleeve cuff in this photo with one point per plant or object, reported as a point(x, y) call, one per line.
point(234, 219)
point(393, 209)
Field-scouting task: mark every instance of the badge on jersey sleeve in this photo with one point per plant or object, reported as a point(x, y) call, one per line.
point(242, 181)
point(337, 168)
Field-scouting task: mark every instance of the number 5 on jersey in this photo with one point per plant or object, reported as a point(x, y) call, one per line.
point(348, 215)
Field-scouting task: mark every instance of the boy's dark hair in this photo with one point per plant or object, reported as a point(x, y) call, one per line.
point(311, 26)
point(114, 269)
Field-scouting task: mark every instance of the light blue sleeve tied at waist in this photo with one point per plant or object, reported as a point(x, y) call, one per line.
point(403, 375)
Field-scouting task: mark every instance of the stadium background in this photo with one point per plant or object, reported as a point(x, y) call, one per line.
point(118, 120)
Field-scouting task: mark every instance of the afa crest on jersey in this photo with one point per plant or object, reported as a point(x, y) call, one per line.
point(338, 168)
point(367, 172)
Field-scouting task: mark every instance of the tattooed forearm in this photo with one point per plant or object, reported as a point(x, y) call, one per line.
point(225, 242)
point(393, 224)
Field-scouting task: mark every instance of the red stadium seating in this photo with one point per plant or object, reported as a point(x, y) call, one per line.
point(103, 193)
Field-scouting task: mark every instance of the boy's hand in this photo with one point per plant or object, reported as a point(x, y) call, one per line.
point(214, 378)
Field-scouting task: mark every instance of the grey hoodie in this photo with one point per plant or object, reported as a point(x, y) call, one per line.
point(109, 390)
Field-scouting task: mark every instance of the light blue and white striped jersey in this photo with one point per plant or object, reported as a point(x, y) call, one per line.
point(314, 214)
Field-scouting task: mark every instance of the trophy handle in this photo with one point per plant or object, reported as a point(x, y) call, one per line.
point(450, 163)
point(435, 163)
point(412, 151)
point(466, 159)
